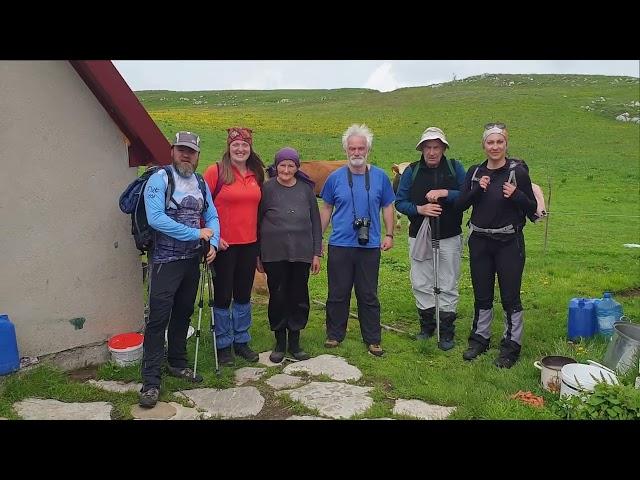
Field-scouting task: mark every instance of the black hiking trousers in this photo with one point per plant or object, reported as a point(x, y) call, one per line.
point(174, 286)
point(353, 268)
point(288, 294)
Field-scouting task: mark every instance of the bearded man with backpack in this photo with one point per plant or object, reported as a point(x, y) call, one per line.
point(175, 261)
point(427, 192)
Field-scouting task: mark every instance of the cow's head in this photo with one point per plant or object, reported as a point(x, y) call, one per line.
point(398, 169)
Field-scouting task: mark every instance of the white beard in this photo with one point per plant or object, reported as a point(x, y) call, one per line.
point(357, 161)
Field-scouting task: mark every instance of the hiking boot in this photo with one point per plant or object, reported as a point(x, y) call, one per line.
point(446, 344)
point(243, 350)
point(149, 397)
point(509, 354)
point(504, 362)
point(276, 357)
point(185, 373)
point(330, 343)
point(225, 356)
point(475, 348)
point(375, 350)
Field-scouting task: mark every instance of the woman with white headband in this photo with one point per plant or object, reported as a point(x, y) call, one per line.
point(500, 191)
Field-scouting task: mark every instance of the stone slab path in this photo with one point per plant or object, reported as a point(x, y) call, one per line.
point(331, 400)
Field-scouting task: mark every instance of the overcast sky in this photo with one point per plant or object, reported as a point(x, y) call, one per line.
point(383, 75)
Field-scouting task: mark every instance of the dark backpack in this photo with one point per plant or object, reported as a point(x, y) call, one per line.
point(132, 203)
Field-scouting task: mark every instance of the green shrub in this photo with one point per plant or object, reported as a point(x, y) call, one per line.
point(606, 402)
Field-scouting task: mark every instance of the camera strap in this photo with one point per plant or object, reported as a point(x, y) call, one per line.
point(366, 186)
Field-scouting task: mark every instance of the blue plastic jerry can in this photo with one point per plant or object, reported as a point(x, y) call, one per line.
point(581, 321)
point(9, 358)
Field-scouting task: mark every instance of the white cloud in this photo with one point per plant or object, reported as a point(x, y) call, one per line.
point(382, 78)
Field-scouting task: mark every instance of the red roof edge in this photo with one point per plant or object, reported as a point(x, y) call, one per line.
point(147, 144)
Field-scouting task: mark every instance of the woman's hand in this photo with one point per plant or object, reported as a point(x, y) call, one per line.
point(222, 244)
point(508, 189)
point(315, 265)
point(484, 182)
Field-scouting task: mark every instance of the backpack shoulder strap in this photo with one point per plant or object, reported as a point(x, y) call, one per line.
point(474, 177)
point(219, 184)
point(171, 187)
point(203, 189)
point(450, 165)
point(512, 172)
point(415, 166)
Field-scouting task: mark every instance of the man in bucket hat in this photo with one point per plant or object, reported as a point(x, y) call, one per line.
point(428, 189)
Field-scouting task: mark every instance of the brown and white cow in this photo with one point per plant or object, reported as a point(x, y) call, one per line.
point(319, 170)
point(397, 169)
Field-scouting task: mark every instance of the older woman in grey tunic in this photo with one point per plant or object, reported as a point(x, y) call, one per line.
point(290, 248)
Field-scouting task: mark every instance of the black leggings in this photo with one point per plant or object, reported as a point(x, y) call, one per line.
point(234, 268)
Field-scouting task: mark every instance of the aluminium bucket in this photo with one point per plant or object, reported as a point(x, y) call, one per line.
point(624, 348)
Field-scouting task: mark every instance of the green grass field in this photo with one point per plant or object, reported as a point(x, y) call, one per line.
point(564, 127)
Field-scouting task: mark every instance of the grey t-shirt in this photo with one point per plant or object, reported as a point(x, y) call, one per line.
point(289, 221)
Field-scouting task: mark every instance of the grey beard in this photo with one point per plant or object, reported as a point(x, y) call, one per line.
point(357, 162)
point(185, 170)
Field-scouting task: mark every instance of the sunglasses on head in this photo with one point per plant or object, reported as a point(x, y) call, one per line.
point(501, 126)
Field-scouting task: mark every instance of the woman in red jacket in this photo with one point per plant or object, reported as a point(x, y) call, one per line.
point(242, 174)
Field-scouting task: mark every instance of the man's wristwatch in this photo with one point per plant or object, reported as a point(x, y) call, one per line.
point(389, 235)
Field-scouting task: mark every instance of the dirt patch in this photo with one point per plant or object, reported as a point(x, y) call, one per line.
point(274, 407)
point(83, 374)
point(629, 292)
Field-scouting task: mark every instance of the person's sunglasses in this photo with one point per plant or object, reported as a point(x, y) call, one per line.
point(501, 126)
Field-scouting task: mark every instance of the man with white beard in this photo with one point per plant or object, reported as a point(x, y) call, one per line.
point(355, 194)
point(175, 262)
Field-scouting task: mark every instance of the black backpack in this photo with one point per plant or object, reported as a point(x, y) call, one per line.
point(132, 203)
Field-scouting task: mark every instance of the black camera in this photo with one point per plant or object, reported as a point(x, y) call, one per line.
point(362, 226)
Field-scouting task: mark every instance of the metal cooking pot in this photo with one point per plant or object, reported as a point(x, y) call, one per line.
point(550, 368)
point(624, 348)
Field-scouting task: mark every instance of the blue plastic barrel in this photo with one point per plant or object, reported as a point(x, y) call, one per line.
point(581, 321)
point(9, 358)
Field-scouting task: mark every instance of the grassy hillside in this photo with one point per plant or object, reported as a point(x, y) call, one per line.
point(564, 127)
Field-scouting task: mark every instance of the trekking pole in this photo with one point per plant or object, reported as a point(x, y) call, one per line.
point(200, 305)
point(213, 321)
point(546, 220)
point(435, 242)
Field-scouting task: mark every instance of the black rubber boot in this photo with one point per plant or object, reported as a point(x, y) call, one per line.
point(477, 346)
point(294, 346)
point(427, 323)
point(277, 355)
point(509, 354)
point(447, 330)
